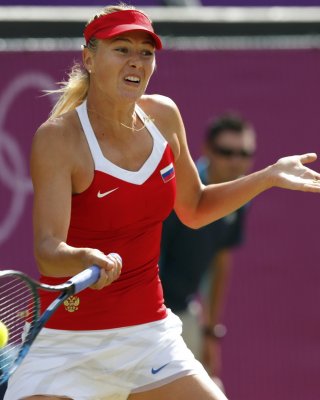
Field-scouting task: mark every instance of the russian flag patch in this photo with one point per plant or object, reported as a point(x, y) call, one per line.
point(167, 173)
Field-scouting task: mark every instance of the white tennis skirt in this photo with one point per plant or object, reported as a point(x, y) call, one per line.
point(95, 365)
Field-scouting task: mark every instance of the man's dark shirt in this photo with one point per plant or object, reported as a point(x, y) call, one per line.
point(187, 253)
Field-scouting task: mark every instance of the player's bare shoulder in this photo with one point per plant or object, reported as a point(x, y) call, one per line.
point(161, 107)
point(56, 141)
point(166, 116)
point(59, 134)
point(63, 128)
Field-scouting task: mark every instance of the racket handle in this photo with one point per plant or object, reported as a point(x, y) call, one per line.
point(89, 276)
point(85, 278)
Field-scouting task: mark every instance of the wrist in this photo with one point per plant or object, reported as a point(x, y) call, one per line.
point(216, 332)
point(270, 179)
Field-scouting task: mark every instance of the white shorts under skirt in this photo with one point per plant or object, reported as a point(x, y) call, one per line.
point(108, 364)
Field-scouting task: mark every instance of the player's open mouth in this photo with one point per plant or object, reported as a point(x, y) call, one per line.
point(133, 79)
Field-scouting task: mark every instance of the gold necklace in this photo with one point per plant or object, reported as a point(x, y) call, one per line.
point(146, 119)
point(132, 128)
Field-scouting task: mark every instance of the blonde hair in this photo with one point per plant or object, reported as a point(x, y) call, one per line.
point(74, 91)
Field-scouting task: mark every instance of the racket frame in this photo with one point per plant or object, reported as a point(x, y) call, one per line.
point(74, 285)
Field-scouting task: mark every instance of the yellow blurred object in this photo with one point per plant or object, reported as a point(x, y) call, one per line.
point(4, 335)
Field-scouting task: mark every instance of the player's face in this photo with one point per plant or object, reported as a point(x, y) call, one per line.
point(231, 156)
point(122, 66)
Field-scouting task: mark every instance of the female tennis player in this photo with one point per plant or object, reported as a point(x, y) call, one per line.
point(108, 167)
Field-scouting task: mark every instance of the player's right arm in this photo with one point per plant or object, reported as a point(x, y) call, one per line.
point(54, 165)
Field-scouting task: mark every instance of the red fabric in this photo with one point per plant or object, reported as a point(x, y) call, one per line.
point(128, 221)
point(119, 22)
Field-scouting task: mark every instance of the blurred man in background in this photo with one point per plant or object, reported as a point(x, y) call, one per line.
point(195, 264)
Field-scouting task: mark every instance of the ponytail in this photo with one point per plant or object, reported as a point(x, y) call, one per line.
point(72, 93)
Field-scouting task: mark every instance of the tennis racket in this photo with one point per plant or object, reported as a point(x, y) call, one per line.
point(20, 302)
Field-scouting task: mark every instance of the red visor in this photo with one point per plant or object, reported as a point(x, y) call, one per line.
point(119, 22)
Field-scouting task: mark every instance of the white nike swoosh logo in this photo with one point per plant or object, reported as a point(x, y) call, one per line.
point(100, 195)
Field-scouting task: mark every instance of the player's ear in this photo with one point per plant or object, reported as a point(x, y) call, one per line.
point(88, 59)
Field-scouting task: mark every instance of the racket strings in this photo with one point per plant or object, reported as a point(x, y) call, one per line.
point(17, 306)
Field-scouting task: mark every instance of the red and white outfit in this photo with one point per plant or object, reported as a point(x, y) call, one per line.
point(121, 339)
point(121, 212)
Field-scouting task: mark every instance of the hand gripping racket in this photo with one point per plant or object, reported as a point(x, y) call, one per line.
point(20, 302)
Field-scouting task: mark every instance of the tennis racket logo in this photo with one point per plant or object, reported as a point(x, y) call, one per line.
point(24, 314)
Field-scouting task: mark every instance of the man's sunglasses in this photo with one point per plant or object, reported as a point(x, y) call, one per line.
point(229, 153)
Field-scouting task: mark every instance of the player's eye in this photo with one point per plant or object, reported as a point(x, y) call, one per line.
point(147, 53)
point(122, 50)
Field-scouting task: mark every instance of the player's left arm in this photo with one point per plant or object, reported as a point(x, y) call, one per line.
point(198, 205)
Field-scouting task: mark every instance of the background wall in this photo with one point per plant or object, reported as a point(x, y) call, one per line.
point(272, 349)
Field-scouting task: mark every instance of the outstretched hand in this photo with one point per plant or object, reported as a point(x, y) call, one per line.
point(291, 173)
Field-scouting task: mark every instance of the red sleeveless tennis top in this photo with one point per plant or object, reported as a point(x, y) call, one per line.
point(122, 211)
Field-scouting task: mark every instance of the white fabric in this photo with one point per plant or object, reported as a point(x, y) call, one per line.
point(191, 332)
point(104, 165)
point(94, 365)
